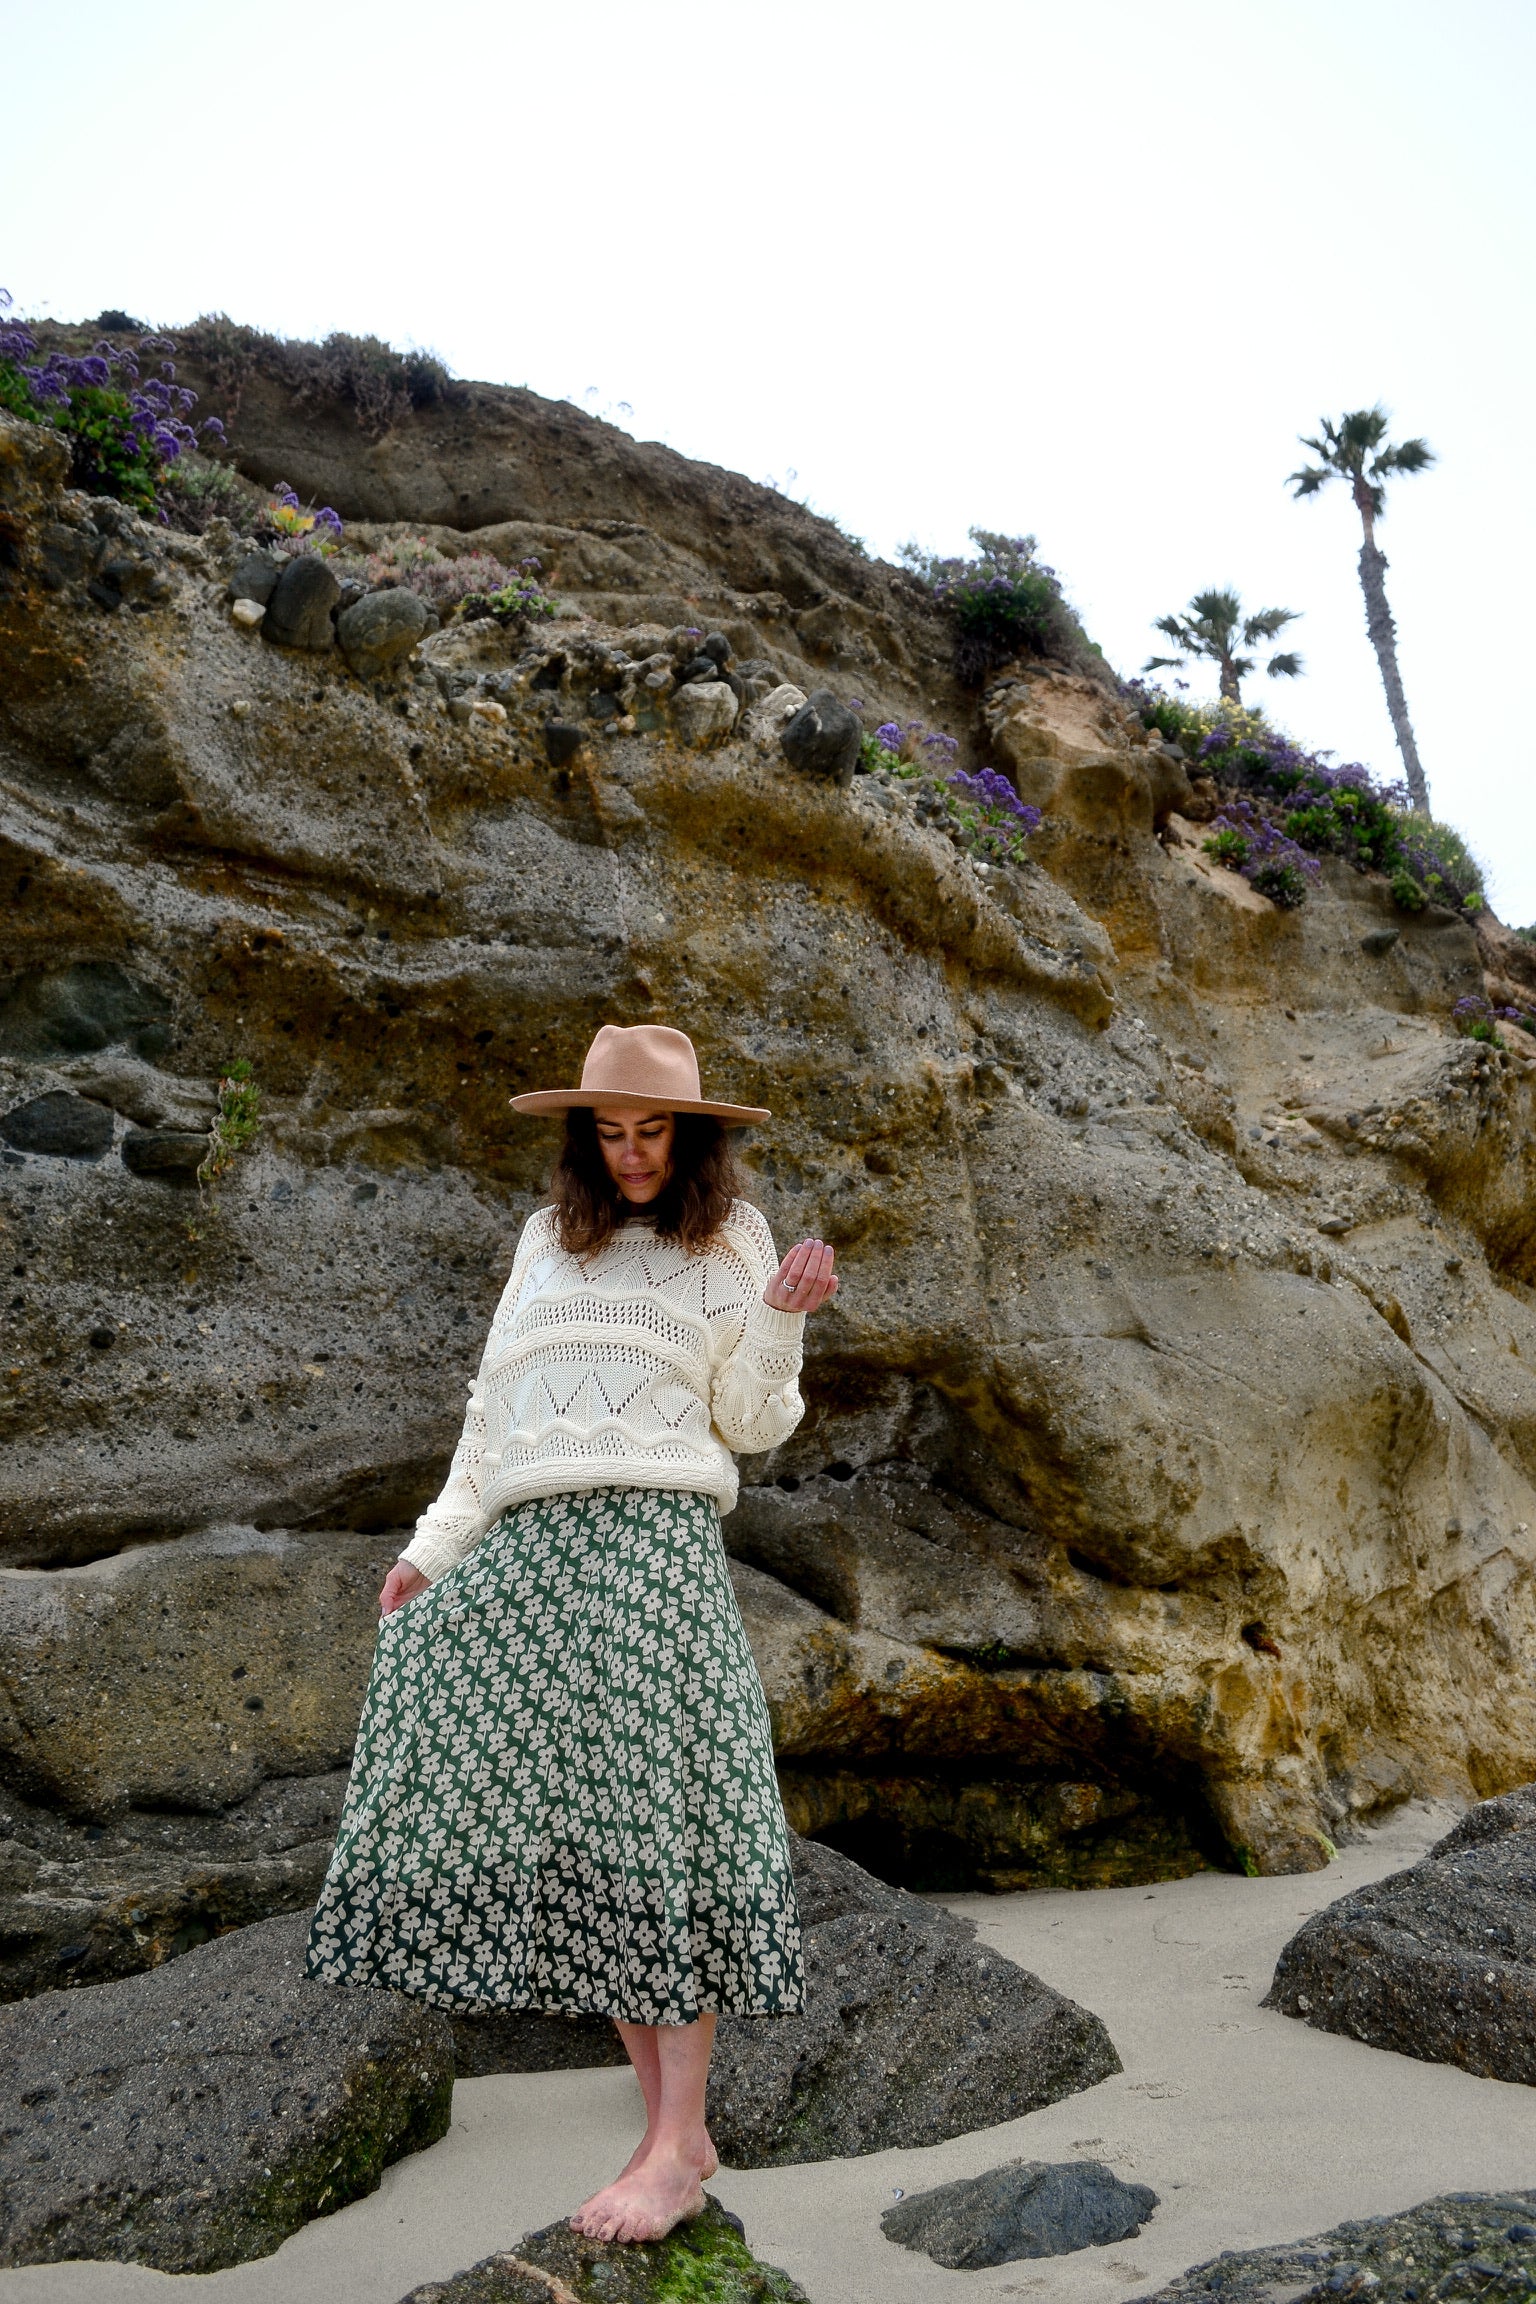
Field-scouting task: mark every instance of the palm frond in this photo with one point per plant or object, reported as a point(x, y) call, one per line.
point(1309, 479)
point(1267, 622)
point(1164, 664)
point(1287, 667)
point(1175, 628)
point(1409, 456)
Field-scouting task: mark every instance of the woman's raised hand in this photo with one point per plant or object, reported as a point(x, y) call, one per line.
point(804, 1281)
point(401, 1584)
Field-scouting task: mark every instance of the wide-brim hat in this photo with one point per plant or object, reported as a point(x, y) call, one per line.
point(644, 1067)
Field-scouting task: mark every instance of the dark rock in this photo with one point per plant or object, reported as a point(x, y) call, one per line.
point(299, 611)
point(1029, 2208)
point(194, 2117)
point(255, 577)
point(1389, 2258)
point(699, 667)
point(84, 1901)
point(523, 2040)
point(77, 1010)
point(1380, 941)
point(130, 576)
point(68, 1126)
point(911, 2033)
point(376, 631)
point(352, 590)
point(707, 2258)
point(1437, 1962)
point(716, 647)
point(562, 741)
point(823, 738)
point(174, 1154)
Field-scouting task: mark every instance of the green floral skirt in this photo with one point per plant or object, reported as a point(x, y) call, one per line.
point(563, 1795)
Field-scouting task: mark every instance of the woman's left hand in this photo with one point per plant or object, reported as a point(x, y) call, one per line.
point(804, 1281)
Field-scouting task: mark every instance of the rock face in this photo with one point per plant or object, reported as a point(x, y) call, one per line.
point(1029, 2208)
point(1171, 1225)
point(705, 2259)
point(195, 2117)
point(911, 2033)
point(67, 1126)
point(1463, 2244)
point(1437, 1962)
point(82, 1903)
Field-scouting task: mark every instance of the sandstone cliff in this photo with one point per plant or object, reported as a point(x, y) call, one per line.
point(1149, 1509)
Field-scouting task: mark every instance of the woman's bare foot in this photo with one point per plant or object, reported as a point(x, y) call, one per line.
point(655, 2193)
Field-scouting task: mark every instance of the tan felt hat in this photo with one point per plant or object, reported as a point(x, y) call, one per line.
point(645, 1067)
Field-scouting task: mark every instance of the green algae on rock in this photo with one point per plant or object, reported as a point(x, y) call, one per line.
point(706, 2261)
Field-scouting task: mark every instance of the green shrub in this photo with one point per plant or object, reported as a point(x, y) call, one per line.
point(1002, 603)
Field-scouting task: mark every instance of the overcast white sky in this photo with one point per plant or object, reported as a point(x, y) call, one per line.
point(1085, 270)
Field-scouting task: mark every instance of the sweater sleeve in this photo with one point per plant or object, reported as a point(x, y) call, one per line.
point(449, 1530)
point(755, 1396)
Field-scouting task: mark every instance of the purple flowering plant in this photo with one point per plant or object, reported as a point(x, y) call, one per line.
point(1003, 602)
point(125, 428)
point(996, 823)
point(1250, 842)
point(1327, 809)
point(1476, 1018)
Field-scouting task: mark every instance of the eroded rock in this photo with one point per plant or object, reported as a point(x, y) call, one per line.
point(380, 628)
point(299, 607)
point(66, 1126)
point(823, 738)
point(194, 2117)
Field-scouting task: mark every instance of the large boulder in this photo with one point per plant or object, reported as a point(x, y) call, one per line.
point(1028, 2208)
point(704, 711)
point(1437, 1962)
point(376, 631)
point(706, 2258)
point(912, 2032)
point(194, 2117)
point(1463, 2244)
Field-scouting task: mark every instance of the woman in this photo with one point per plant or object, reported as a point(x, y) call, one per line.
point(563, 1795)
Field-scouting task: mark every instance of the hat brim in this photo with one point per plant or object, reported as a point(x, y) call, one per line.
point(542, 1100)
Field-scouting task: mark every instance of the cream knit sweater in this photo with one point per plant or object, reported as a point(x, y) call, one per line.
point(640, 1367)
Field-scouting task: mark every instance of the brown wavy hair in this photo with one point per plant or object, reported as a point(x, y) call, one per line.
point(690, 1208)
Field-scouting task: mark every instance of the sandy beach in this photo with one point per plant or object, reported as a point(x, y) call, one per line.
point(1252, 2128)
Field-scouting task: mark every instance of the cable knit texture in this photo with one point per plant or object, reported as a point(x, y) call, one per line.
point(640, 1367)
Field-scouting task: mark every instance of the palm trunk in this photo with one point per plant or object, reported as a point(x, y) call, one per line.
point(1228, 683)
point(1383, 632)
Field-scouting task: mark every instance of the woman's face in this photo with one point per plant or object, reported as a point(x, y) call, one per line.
point(637, 1150)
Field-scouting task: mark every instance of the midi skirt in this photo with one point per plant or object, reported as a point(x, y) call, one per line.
point(563, 1795)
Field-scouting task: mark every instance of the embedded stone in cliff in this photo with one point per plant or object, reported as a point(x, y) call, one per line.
point(1437, 1962)
point(67, 1126)
point(911, 2032)
point(823, 738)
point(706, 2258)
point(255, 578)
point(173, 1154)
point(1029, 2208)
point(379, 629)
point(194, 2117)
point(562, 741)
point(704, 711)
point(716, 647)
point(299, 611)
point(76, 1011)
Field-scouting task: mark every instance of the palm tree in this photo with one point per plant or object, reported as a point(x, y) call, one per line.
point(1356, 449)
point(1214, 627)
